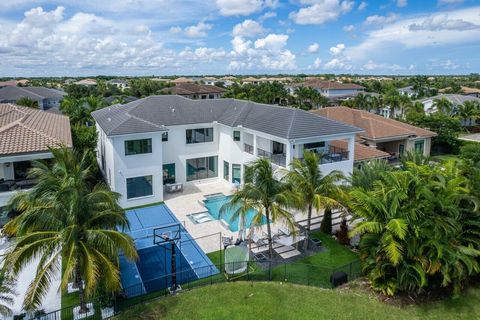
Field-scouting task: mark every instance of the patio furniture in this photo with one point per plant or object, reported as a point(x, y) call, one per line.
point(316, 242)
point(173, 187)
point(227, 241)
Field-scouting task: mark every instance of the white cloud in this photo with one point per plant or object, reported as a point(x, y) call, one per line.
point(268, 53)
point(337, 64)
point(349, 28)
point(248, 28)
point(316, 64)
point(449, 2)
point(267, 15)
point(381, 20)
point(272, 42)
point(399, 36)
point(320, 11)
point(199, 30)
point(203, 54)
point(362, 6)
point(370, 65)
point(337, 50)
point(313, 48)
point(175, 30)
point(402, 3)
point(438, 23)
point(243, 7)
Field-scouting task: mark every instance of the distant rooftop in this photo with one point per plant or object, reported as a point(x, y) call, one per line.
point(456, 99)
point(8, 94)
point(330, 85)
point(375, 126)
point(26, 130)
point(192, 88)
point(153, 113)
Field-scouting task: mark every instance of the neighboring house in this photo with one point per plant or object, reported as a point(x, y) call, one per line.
point(384, 134)
point(25, 135)
point(13, 83)
point(250, 80)
point(158, 140)
point(47, 98)
point(125, 99)
point(473, 92)
point(455, 99)
point(407, 91)
point(119, 83)
point(86, 82)
point(195, 91)
point(182, 80)
point(331, 89)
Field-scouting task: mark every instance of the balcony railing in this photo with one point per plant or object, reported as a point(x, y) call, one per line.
point(334, 154)
point(12, 185)
point(278, 159)
point(248, 148)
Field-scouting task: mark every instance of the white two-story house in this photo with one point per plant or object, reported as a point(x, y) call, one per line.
point(159, 140)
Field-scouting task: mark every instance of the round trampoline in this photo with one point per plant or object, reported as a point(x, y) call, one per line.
point(236, 259)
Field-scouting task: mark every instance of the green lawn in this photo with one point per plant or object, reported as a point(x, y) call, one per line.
point(445, 157)
point(260, 300)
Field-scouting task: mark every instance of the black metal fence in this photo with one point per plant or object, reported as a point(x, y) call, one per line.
point(297, 273)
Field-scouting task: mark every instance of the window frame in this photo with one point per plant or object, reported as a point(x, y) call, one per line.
point(165, 136)
point(140, 196)
point(199, 135)
point(149, 146)
point(235, 138)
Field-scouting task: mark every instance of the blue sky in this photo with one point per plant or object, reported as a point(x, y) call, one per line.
point(164, 37)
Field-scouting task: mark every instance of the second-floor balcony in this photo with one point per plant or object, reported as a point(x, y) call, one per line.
point(278, 159)
point(334, 154)
point(248, 148)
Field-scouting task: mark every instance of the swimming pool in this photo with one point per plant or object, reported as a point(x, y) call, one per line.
point(213, 205)
point(152, 271)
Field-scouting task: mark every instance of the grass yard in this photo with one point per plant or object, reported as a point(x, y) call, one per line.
point(260, 300)
point(445, 157)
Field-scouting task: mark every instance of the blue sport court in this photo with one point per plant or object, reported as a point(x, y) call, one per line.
point(152, 271)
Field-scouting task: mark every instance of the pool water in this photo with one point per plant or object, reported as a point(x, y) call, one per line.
point(213, 205)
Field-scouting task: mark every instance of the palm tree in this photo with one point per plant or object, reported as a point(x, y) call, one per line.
point(443, 106)
point(6, 294)
point(27, 102)
point(469, 110)
point(266, 195)
point(368, 173)
point(66, 220)
point(314, 189)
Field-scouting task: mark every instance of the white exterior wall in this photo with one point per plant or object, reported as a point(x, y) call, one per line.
point(177, 151)
point(136, 166)
point(337, 92)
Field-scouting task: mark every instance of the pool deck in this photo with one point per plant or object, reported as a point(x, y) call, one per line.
point(189, 201)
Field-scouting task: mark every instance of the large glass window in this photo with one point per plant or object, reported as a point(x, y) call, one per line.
point(202, 168)
point(199, 135)
point(278, 148)
point(139, 187)
point(401, 149)
point(419, 146)
point(164, 136)
point(138, 146)
point(314, 145)
point(20, 169)
point(226, 170)
point(236, 173)
point(169, 173)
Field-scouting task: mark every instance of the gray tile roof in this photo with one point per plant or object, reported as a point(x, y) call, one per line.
point(35, 93)
point(152, 113)
point(456, 99)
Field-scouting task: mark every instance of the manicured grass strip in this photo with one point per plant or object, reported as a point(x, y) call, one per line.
point(259, 300)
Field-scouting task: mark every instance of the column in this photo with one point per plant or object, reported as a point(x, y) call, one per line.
point(255, 151)
point(351, 148)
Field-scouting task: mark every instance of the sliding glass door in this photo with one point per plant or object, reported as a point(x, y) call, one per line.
point(202, 168)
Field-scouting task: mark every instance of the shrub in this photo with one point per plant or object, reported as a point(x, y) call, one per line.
point(326, 225)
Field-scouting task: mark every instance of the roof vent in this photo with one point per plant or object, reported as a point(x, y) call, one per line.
point(173, 109)
point(109, 119)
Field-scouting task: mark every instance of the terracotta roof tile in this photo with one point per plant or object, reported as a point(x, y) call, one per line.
point(376, 127)
point(362, 152)
point(25, 130)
